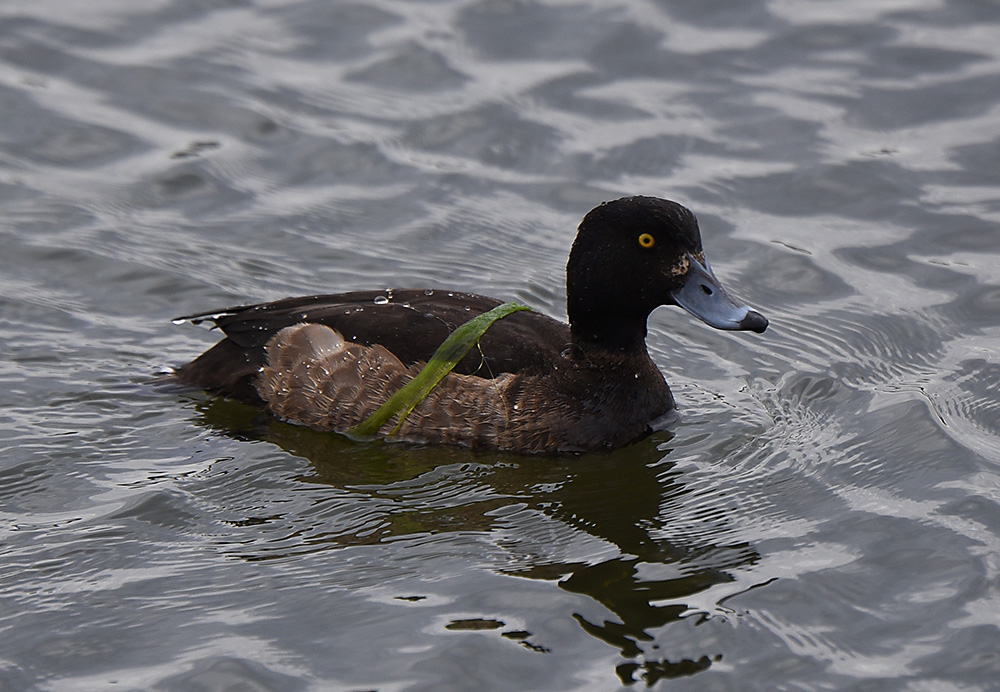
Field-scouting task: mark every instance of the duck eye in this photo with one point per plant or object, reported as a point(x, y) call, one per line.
point(646, 240)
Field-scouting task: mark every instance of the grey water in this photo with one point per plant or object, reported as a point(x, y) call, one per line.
point(824, 516)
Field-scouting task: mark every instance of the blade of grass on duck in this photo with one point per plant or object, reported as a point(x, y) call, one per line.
point(445, 358)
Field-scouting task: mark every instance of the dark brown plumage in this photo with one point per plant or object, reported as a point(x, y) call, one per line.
point(535, 385)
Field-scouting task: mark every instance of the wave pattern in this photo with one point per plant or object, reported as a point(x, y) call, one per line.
point(825, 514)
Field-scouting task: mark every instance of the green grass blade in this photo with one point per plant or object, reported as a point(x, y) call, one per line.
point(444, 360)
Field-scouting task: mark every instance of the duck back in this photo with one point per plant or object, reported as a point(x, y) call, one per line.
point(410, 324)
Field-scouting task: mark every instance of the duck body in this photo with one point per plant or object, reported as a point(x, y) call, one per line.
point(329, 361)
point(534, 384)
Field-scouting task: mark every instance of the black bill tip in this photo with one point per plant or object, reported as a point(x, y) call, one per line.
point(754, 322)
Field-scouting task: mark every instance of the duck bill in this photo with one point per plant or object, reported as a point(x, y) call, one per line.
point(704, 297)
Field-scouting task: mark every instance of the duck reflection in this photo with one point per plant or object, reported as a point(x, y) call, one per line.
point(626, 500)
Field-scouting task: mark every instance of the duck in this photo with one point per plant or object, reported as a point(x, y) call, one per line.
point(534, 385)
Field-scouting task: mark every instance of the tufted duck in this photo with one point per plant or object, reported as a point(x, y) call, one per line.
point(534, 385)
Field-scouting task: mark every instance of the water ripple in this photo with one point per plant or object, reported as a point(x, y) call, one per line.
point(825, 513)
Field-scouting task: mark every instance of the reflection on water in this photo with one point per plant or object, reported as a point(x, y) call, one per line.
point(642, 575)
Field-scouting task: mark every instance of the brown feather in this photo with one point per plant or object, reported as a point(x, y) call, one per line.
point(314, 377)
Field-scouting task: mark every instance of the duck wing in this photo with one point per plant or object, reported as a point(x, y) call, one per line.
point(409, 323)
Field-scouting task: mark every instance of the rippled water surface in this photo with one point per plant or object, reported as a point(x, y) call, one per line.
point(824, 517)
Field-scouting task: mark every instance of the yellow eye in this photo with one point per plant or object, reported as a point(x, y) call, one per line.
point(646, 240)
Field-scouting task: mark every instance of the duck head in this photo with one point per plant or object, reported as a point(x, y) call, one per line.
point(633, 255)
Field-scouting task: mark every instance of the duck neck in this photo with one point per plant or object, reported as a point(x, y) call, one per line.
point(621, 333)
point(603, 315)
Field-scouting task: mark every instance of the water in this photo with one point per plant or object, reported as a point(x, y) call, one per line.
point(825, 515)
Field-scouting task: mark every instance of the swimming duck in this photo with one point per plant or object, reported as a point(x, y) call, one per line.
point(534, 385)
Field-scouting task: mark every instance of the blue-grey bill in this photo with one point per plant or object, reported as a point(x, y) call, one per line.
point(704, 297)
